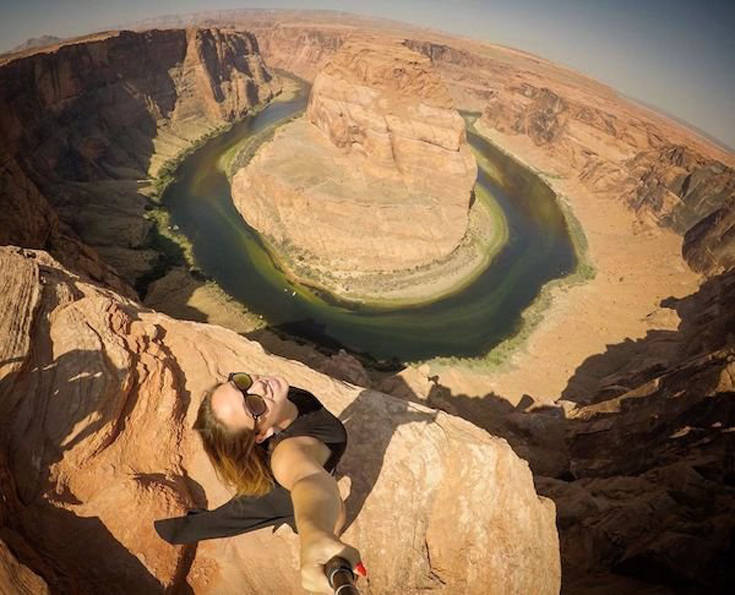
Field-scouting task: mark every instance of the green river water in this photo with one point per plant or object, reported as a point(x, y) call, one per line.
point(467, 324)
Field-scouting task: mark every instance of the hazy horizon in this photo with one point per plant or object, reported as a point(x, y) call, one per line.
point(670, 55)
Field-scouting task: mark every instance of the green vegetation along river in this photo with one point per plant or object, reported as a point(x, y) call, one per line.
point(468, 323)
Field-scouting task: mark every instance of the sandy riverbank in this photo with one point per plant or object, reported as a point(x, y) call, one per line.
point(637, 266)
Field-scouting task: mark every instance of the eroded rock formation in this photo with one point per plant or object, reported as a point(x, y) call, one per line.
point(378, 175)
point(709, 245)
point(638, 455)
point(85, 124)
point(97, 398)
point(622, 155)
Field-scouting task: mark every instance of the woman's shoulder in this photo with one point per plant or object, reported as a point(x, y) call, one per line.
point(313, 419)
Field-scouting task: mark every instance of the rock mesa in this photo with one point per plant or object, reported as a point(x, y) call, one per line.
point(376, 177)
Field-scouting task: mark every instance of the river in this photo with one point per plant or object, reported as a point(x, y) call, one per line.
point(466, 324)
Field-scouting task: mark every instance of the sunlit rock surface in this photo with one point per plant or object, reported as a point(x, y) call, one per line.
point(376, 177)
point(97, 398)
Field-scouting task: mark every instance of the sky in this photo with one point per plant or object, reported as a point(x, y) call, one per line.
point(677, 56)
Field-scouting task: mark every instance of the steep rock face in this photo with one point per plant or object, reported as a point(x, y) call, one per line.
point(386, 104)
point(680, 185)
point(709, 246)
point(638, 455)
point(674, 185)
point(84, 124)
point(544, 118)
point(300, 48)
point(380, 137)
point(97, 398)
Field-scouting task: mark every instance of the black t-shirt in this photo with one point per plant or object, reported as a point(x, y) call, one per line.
point(313, 420)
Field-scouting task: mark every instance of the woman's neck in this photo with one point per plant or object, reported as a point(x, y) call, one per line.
point(291, 412)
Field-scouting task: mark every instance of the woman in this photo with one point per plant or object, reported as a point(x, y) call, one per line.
point(277, 447)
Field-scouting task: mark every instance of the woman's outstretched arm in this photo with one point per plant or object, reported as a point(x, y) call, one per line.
point(317, 507)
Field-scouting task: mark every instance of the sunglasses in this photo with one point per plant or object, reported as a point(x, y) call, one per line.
point(254, 404)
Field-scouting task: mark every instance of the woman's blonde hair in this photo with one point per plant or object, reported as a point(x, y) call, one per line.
point(240, 462)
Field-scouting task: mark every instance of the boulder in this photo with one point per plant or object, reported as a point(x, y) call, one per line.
point(97, 398)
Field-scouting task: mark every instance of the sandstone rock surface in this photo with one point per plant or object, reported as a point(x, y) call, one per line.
point(378, 175)
point(17, 578)
point(709, 245)
point(97, 398)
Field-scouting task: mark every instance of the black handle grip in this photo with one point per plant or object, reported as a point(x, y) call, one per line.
point(340, 576)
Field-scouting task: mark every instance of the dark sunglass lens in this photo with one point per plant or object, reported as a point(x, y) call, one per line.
point(256, 404)
point(242, 381)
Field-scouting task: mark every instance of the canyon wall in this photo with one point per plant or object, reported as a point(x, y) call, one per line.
point(672, 184)
point(97, 399)
point(86, 124)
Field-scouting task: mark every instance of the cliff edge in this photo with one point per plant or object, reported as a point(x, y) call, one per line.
point(97, 398)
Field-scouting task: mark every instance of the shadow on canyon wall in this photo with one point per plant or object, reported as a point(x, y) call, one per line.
point(642, 464)
point(80, 124)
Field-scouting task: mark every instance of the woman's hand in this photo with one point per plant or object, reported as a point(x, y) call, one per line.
point(316, 550)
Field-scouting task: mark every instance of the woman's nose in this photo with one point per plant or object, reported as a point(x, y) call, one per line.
point(258, 387)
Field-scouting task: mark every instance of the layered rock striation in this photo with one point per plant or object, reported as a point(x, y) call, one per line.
point(376, 177)
point(97, 399)
point(86, 125)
